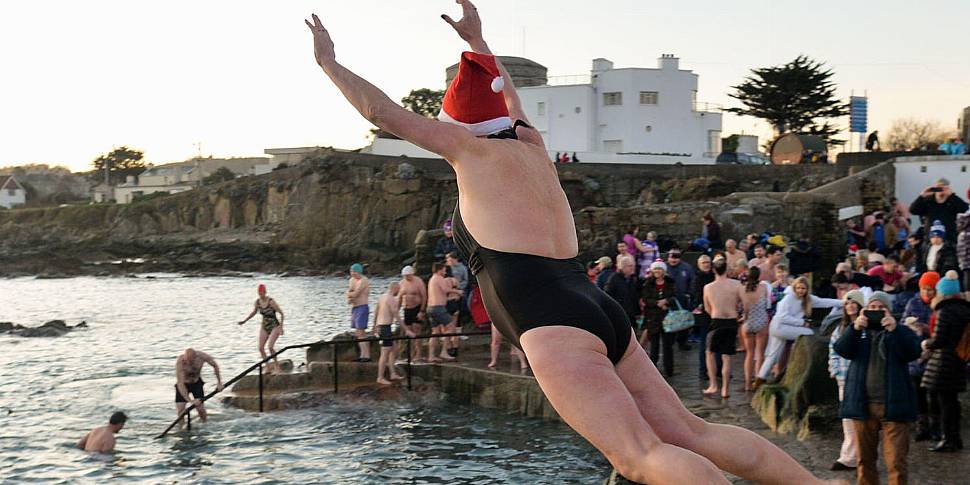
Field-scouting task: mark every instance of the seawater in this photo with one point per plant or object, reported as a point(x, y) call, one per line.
point(53, 390)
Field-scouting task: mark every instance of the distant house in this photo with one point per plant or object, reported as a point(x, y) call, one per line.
point(12, 194)
point(173, 178)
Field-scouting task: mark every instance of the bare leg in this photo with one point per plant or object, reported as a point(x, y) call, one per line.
point(496, 346)
point(364, 346)
point(201, 410)
point(179, 409)
point(263, 336)
point(587, 393)
point(273, 336)
point(447, 342)
point(711, 373)
point(750, 356)
point(433, 344)
point(761, 341)
point(416, 344)
point(725, 376)
point(382, 363)
point(523, 363)
point(731, 448)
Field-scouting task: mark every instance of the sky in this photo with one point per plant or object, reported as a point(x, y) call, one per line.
point(232, 78)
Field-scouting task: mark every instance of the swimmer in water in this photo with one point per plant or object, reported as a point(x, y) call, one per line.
point(514, 224)
point(271, 327)
point(102, 438)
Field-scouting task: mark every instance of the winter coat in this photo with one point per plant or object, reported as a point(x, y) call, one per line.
point(929, 210)
point(946, 259)
point(963, 241)
point(944, 369)
point(901, 346)
point(701, 279)
point(653, 316)
point(626, 292)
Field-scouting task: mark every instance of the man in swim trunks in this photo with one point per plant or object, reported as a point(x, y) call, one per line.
point(721, 299)
point(388, 312)
point(102, 438)
point(439, 289)
point(188, 375)
point(578, 340)
point(413, 297)
point(357, 297)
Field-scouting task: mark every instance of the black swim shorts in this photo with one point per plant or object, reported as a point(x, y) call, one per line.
point(722, 338)
point(195, 389)
point(384, 331)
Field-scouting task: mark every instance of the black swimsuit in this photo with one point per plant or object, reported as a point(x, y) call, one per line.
point(525, 291)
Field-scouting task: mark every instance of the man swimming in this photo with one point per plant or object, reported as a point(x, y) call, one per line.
point(102, 438)
point(578, 340)
point(188, 385)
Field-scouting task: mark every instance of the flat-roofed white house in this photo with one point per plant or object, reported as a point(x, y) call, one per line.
point(632, 115)
point(12, 194)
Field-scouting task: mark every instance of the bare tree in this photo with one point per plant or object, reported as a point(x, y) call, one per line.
point(908, 134)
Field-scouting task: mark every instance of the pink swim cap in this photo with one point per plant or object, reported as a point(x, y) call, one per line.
point(261, 289)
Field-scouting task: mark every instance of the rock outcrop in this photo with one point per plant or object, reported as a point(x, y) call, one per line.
point(53, 328)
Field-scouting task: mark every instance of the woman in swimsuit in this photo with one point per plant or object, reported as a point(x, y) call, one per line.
point(514, 224)
point(754, 333)
point(271, 327)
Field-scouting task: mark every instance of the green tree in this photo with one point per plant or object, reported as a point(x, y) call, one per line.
point(222, 174)
point(425, 102)
point(795, 97)
point(122, 162)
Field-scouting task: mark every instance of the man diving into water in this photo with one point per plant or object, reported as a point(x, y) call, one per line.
point(578, 340)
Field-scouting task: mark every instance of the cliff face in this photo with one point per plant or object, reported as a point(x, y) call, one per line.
point(341, 207)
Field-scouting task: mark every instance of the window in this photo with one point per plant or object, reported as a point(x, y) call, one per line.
point(649, 97)
point(713, 142)
point(612, 99)
point(578, 110)
point(541, 109)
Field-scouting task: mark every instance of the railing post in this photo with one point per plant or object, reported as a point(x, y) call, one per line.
point(336, 368)
point(188, 420)
point(409, 363)
point(260, 387)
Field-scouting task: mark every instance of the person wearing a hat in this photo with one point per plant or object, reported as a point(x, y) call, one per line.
point(271, 327)
point(938, 254)
point(514, 226)
point(414, 299)
point(945, 375)
point(879, 394)
point(358, 296)
point(938, 203)
point(659, 296)
point(446, 244)
point(605, 265)
point(852, 304)
point(919, 317)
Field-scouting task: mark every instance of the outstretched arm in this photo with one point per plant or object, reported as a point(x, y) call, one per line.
point(450, 141)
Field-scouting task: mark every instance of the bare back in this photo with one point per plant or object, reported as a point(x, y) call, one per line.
point(438, 287)
point(750, 298)
point(722, 297)
point(511, 200)
point(388, 307)
point(99, 440)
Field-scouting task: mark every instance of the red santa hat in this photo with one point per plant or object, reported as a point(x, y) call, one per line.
point(474, 99)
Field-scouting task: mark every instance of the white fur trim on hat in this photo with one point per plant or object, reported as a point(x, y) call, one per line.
point(481, 128)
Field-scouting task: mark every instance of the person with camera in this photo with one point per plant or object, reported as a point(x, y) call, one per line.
point(945, 375)
point(879, 394)
point(938, 203)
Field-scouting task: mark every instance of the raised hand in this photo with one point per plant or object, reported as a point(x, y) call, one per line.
point(322, 45)
point(469, 28)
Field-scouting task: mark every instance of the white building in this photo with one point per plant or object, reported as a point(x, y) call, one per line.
point(640, 113)
point(12, 194)
point(170, 178)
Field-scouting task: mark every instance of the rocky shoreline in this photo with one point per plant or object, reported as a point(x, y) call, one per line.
point(53, 328)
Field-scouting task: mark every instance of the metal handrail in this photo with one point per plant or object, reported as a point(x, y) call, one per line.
point(334, 343)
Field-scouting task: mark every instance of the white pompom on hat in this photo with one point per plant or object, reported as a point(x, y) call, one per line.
point(474, 99)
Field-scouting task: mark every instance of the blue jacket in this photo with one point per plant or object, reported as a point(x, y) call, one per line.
point(901, 347)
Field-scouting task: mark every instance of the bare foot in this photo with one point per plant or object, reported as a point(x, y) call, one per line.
point(434, 360)
point(492, 364)
point(725, 394)
point(446, 357)
point(396, 377)
point(383, 382)
point(710, 391)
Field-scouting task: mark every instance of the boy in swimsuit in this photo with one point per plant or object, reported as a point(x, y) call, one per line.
point(388, 312)
point(357, 297)
point(578, 340)
point(188, 375)
point(102, 438)
point(413, 298)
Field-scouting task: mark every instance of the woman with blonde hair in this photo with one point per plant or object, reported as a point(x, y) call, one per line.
point(790, 322)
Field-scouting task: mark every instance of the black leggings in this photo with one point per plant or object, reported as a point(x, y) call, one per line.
point(667, 339)
point(947, 406)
